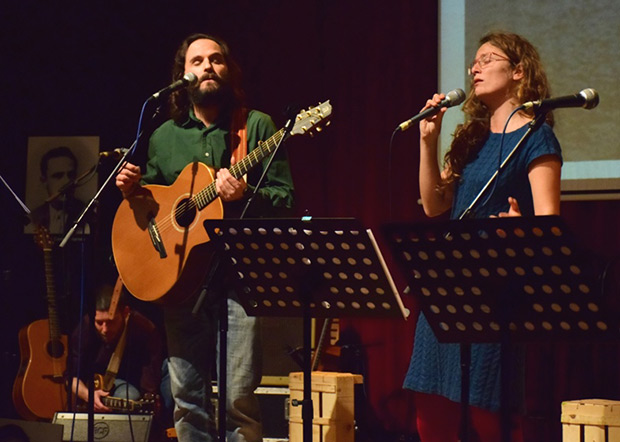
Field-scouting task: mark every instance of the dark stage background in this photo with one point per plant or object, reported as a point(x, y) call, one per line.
point(86, 70)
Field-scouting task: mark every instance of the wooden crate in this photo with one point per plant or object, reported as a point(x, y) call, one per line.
point(597, 419)
point(333, 402)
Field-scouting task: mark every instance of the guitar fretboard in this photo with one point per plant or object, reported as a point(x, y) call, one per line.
point(51, 296)
point(252, 159)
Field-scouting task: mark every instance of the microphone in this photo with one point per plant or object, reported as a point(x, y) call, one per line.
point(189, 78)
point(457, 96)
point(587, 98)
point(115, 154)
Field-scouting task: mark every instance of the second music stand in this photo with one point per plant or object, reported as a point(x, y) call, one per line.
point(501, 280)
point(308, 267)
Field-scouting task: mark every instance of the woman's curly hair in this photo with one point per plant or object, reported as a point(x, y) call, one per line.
point(470, 136)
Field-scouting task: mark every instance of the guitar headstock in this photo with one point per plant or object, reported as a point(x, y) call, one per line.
point(312, 119)
point(42, 238)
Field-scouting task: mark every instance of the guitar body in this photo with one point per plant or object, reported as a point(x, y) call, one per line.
point(39, 388)
point(174, 273)
point(160, 247)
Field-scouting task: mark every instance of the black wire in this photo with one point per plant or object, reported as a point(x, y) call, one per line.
point(499, 159)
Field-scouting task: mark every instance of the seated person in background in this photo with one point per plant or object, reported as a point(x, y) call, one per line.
point(139, 372)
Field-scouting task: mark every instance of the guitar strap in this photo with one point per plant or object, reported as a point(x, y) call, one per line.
point(238, 135)
point(115, 359)
point(116, 294)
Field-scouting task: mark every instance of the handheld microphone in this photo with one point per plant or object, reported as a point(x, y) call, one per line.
point(115, 154)
point(453, 98)
point(188, 78)
point(587, 98)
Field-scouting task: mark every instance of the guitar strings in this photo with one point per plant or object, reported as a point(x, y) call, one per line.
point(209, 194)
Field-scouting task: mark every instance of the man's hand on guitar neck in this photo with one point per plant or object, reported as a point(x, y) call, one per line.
point(98, 405)
point(82, 393)
point(228, 187)
point(127, 179)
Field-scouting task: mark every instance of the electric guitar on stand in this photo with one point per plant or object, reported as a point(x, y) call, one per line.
point(39, 389)
point(160, 247)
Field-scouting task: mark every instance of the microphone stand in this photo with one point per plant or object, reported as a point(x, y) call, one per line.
point(116, 169)
point(223, 311)
point(119, 165)
point(465, 356)
point(537, 121)
point(71, 184)
point(69, 234)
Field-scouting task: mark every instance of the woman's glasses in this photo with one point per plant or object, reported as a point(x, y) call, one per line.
point(484, 60)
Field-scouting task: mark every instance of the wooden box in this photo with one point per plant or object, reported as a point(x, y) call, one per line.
point(333, 402)
point(598, 420)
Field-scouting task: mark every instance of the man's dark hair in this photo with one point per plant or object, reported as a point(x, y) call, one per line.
point(179, 100)
point(57, 152)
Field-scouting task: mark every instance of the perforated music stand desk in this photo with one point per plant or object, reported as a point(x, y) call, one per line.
point(500, 280)
point(308, 267)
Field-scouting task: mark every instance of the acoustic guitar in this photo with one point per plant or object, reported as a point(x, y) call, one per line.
point(39, 388)
point(160, 247)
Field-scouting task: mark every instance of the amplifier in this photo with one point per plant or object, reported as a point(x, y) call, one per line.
point(107, 427)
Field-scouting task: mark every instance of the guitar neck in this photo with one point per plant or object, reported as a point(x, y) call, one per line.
point(128, 405)
point(321, 345)
point(51, 296)
point(257, 155)
point(251, 160)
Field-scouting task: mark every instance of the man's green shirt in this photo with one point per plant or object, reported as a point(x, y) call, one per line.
point(173, 146)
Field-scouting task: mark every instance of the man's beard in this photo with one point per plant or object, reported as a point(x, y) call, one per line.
point(218, 93)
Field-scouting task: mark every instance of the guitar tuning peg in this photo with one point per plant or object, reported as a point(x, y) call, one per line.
point(319, 128)
point(328, 122)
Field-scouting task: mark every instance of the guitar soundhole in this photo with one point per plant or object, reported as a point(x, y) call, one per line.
point(55, 349)
point(185, 212)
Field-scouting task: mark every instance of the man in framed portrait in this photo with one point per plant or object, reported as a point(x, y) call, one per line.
point(60, 174)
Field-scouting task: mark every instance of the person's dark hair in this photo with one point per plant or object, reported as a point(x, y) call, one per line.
point(103, 297)
point(13, 433)
point(470, 136)
point(57, 152)
point(179, 100)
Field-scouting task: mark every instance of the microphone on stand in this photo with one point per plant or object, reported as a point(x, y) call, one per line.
point(453, 98)
point(188, 78)
point(114, 154)
point(587, 98)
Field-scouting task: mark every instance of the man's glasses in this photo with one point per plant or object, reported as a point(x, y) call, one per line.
point(484, 60)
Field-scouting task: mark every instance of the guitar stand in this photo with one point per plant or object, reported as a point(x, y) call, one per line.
point(501, 280)
point(309, 267)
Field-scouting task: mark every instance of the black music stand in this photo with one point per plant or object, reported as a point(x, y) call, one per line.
point(500, 280)
point(308, 267)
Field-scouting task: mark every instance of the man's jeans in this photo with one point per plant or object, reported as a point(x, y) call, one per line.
point(193, 354)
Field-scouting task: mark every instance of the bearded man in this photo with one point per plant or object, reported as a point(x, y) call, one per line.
point(210, 124)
